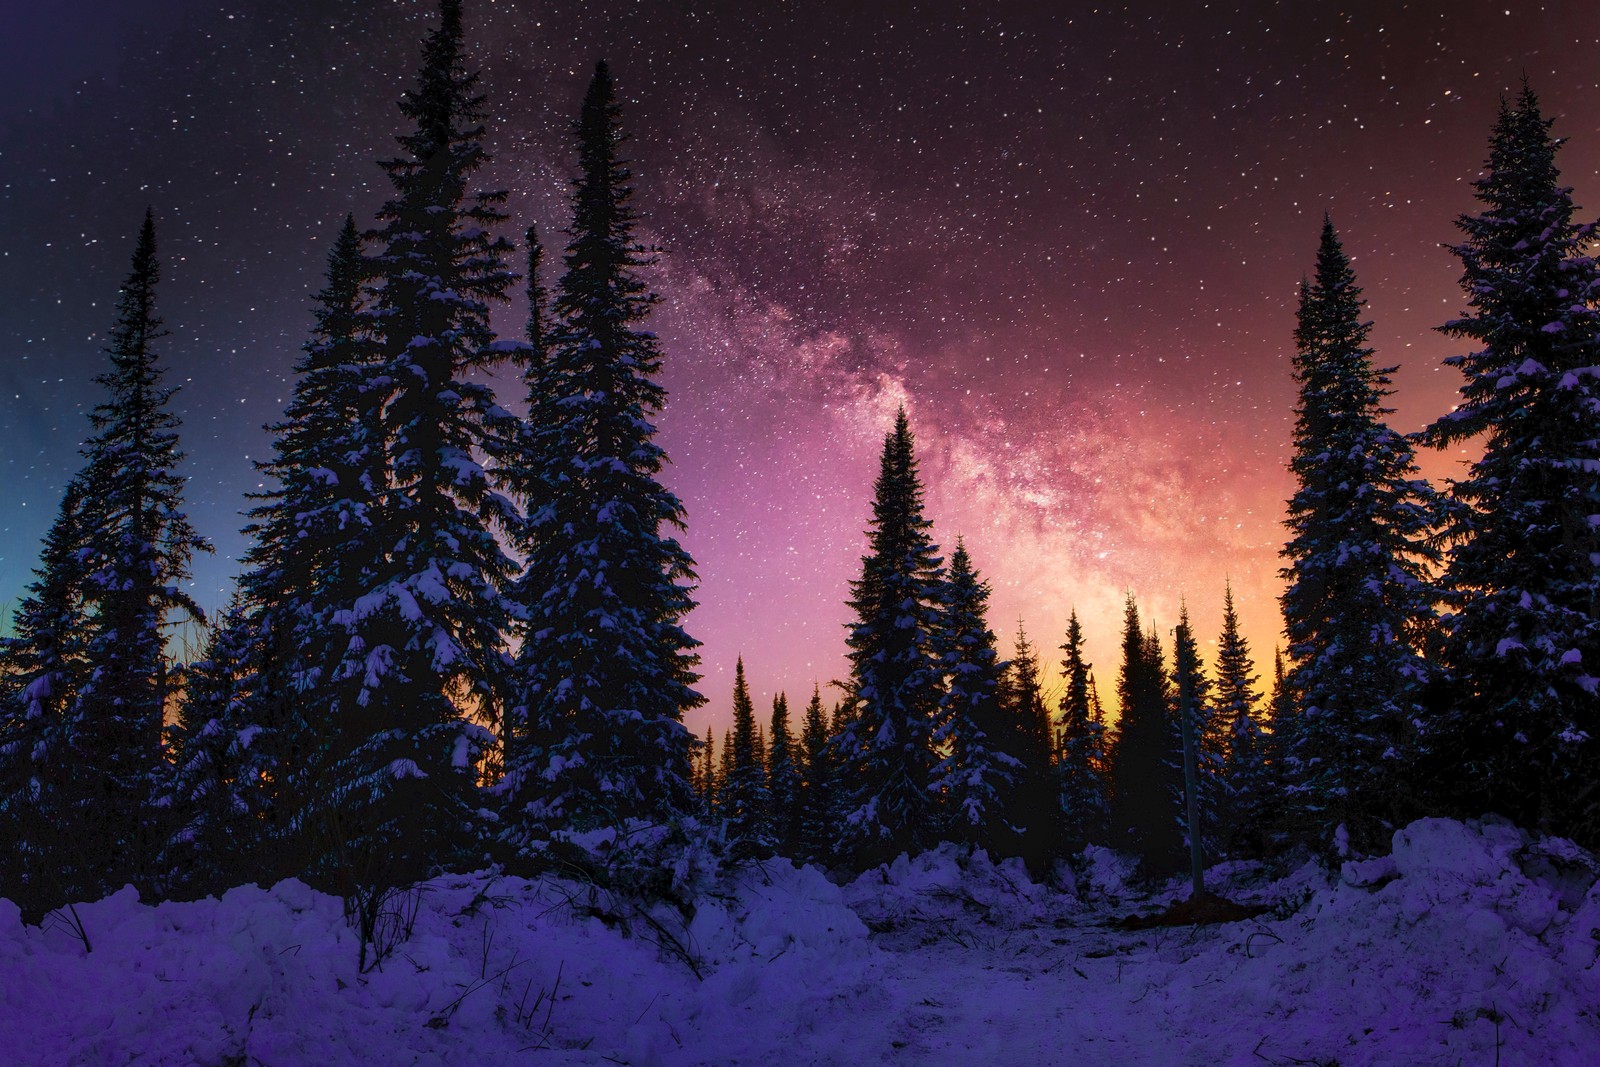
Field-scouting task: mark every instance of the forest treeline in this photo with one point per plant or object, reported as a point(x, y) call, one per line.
point(458, 633)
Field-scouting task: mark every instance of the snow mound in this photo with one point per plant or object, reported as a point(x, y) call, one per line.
point(1470, 942)
point(1107, 876)
point(950, 885)
point(774, 908)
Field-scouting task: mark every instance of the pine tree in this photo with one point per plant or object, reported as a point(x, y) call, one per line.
point(1143, 782)
point(706, 775)
point(1358, 599)
point(42, 669)
point(220, 794)
point(783, 780)
point(276, 693)
point(724, 773)
point(886, 752)
point(136, 547)
point(1246, 792)
point(426, 637)
point(1280, 709)
point(520, 450)
point(1192, 691)
point(606, 672)
point(817, 801)
point(747, 801)
point(1033, 806)
point(1085, 805)
point(1281, 715)
point(1097, 713)
point(977, 776)
point(1523, 578)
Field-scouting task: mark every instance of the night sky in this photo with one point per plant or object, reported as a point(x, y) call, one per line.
point(1066, 236)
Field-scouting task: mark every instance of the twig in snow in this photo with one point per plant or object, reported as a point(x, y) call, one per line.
point(442, 1016)
point(1251, 940)
point(552, 1006)
point(72, 923)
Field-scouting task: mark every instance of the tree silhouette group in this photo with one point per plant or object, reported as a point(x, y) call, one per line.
point(458, 634)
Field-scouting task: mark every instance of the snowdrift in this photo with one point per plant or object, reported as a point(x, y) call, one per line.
point(1469, 944)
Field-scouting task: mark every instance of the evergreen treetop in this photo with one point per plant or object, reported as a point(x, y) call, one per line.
point(1081, 764)
point(886, 751)
point(977, 776)
point(746, 798)
point(424, 654)
point(1142, 771)
point(1523, 576)
point(607, 670)
point(1359, 598)
point(134, 545)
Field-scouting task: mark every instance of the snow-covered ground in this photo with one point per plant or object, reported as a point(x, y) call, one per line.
point(1469, 945)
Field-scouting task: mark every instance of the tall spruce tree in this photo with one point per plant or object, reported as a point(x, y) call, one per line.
point(746, 801)
point(783, 780)
point(135, 549)
point(1523, 577)
point(705, 775)
point(1358, 600)
point(426, 637)
point(1143, 782)
point(1080, 765)
point(271, 700)
point(42, 668)
point(886, 751)
point(606, 671)
point(222, 791)
point(818, 806)
point(1247, 793)
point(724, 773)
point(521, 452)
point(1033, 807)
point(1192, 692)
point(1281, 713)
point(978, 776)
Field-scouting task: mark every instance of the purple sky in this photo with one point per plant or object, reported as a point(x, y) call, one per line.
point(1067, 237)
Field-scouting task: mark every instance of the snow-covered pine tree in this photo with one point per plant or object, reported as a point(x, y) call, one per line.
point(279, 700)
point(221, 792)
point(724, 772)
point(1280, 719)
point(42, 668)
point(1523, 576)
point(1358, 598)
point(705, 784)
point(783, 780)
point(886, 752)
point(1142, 779)
point(746, 799)
point(606, 671)
point(1246, 794)
point(1192, 690)
point(135, 548)
point(1080, 764)
point(426, 639)
point(976, 780)
point(1279, 826)
point(818, 806)
point(1032, 807)
point(524, 451)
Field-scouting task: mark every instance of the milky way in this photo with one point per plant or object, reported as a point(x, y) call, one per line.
point(1066, 237)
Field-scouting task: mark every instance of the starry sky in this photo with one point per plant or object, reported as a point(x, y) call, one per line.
point(1065, 235)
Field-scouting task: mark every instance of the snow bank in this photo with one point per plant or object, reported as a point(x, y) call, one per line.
point(1434, 954)
point(1467, 937)
point(949, 890)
